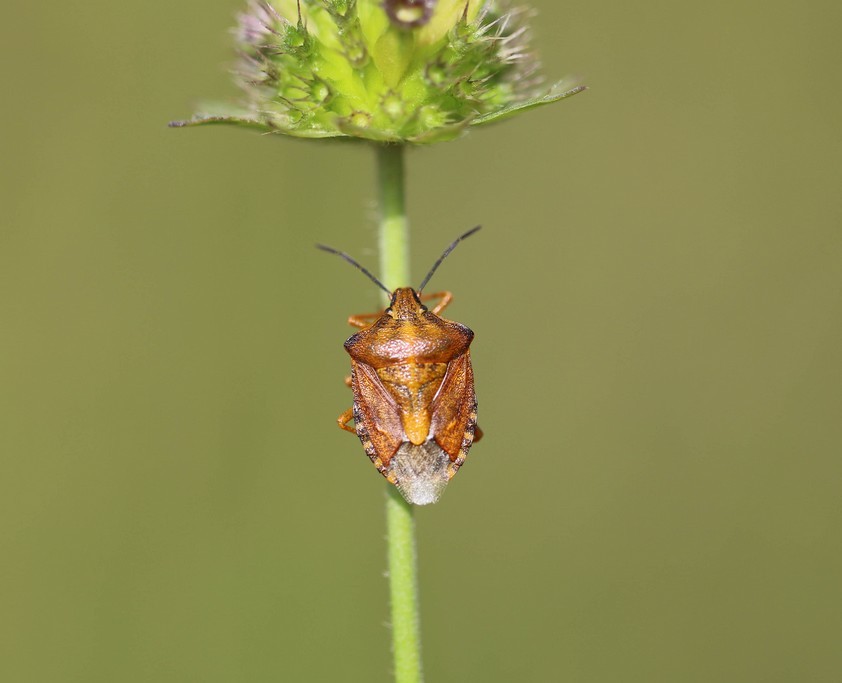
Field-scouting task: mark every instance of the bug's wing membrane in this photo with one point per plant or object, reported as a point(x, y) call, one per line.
point(377, 411)
point(454, 415)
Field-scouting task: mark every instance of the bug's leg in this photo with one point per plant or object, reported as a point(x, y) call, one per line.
point(364, 320)
point(348, 381)
point(477, 433)
point(446, 298)
point(344, 419)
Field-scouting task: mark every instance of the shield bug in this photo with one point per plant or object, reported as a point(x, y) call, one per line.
point(415, 410)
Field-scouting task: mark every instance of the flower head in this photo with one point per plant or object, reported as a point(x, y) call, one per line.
point(392, 71)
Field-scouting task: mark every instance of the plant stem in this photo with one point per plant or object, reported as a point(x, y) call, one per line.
point(394, 226)
point(400, 518)
point(403, 588)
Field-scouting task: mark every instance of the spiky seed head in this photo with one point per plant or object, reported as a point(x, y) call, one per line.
point(386, 70)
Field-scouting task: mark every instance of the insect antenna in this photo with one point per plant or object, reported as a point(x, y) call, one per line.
point(445, 254)
point(371, 277)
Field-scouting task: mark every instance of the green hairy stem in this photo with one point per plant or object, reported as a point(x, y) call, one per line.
point(400, 518)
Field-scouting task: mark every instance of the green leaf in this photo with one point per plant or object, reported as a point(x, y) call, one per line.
point(218, 119)
point(220, 113)
point(553, 95)
point(245, 119)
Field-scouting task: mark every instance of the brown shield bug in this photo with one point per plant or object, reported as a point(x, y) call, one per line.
point(415, 410)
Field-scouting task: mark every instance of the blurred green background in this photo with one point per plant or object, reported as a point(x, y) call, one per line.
point(657, 301)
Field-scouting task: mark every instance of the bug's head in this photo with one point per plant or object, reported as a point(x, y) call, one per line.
point(405, 304)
